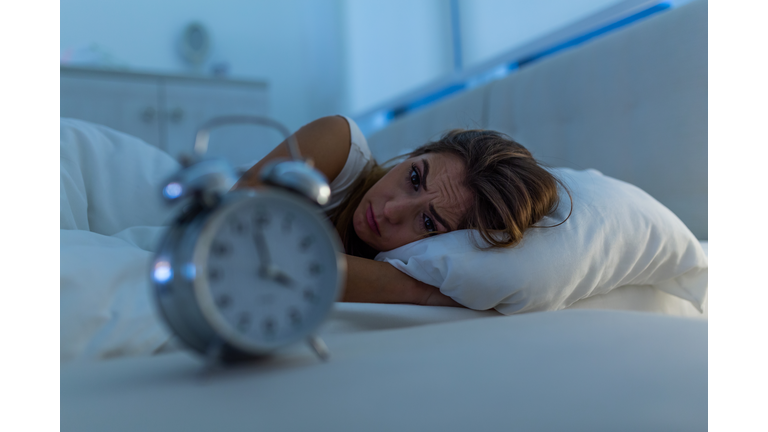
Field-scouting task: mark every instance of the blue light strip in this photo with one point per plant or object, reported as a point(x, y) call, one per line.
point(386, 116)
point(593, 34)
point(426, 100)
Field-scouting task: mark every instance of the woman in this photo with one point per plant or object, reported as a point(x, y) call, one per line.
point(466, 180)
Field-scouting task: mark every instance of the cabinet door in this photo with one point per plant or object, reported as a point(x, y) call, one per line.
point(125, 104)
point(190, 104)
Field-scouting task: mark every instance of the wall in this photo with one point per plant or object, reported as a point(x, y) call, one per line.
point(294, 45)
point(319, 57)
point(491, 27)
point(394, 46)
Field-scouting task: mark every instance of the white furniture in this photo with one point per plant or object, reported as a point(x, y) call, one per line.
point(166, 110)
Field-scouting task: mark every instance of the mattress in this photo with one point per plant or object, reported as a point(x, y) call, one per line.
point(576, 370)
point(633, 359)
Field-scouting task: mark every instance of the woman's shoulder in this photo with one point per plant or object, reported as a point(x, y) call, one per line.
point(358, 163)
point(358, 143)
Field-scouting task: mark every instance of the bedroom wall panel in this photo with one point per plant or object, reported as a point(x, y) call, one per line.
point(465, 110)
point(632, 104)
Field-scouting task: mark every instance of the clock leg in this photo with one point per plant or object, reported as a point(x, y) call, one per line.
point(212, 356)
point(319, 347)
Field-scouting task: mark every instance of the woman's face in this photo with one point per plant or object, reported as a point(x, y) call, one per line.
point(419, 196)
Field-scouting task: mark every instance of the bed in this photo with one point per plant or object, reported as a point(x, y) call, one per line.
point(632, 359)
point(564, 370)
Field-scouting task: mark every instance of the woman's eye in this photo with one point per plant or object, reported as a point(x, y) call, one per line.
point(415, 179)
point(429, 226)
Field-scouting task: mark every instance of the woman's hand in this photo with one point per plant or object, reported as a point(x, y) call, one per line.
point(371, 281)
point(435, 298)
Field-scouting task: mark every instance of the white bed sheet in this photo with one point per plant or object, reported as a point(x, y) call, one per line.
point(574, 370)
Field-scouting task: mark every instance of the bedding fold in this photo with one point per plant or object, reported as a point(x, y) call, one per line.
point(111, 220)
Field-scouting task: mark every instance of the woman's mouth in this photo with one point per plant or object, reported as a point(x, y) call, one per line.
point(372, 220)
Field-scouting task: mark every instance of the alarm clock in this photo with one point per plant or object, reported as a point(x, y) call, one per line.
point(240, 274)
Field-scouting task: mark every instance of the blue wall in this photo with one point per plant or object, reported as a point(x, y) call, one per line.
point(319, 57)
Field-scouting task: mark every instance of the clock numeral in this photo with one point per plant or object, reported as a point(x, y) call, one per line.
point(295, 316)
point(237, 226)
point(223, 301)
point(220, 249)
point(261, 219)
point(287, 224)
point(244, 321)
point(306, 242)
point(315, 268)
point(309, 295)
point(269, 326)
point(215, 274)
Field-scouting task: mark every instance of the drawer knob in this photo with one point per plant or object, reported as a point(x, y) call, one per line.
point(177, 115)
point(148, 115)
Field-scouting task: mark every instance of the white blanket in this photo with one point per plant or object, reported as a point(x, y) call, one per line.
point(112, 218)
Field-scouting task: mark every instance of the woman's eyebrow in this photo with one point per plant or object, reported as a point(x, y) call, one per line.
point(431, 207)
point(439, 219)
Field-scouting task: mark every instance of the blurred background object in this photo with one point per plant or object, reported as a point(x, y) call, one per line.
point(297, 60)
point(92, 55)
point(194, 44)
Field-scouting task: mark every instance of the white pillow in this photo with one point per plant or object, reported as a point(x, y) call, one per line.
point(644, 298)
point(617, 235)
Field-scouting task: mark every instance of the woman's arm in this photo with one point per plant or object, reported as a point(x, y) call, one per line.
point(370, 281)
point(326, 141)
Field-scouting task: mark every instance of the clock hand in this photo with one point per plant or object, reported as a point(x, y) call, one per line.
point(267, 270)
point(273, 272)
point(263, 251)
point(281, 277)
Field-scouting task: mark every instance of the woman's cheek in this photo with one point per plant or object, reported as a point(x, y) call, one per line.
point(357, 223)
point(395, 240)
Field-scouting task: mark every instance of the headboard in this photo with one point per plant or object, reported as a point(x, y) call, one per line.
point(631, 104)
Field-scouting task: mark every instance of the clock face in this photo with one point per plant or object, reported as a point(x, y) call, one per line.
point(267, 271)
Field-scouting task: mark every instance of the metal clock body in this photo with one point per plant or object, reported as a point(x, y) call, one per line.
point(242, 273)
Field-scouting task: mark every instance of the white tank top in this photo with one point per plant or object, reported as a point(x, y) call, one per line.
point(359, 161)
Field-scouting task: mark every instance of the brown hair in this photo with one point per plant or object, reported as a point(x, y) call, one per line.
point(511, 190)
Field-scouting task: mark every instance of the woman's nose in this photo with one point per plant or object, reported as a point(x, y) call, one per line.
point(395, 210)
